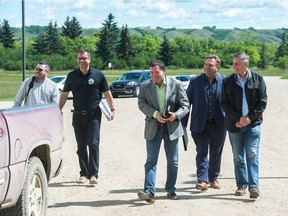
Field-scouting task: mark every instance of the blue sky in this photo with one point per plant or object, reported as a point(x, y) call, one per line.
point(266, 14)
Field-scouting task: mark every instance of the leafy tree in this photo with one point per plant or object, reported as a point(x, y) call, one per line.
point(283, 62)
point(124, 48)
point(71, 28)
point(283, 48)
point(6, 35)
point(106, 46)
point(165, 52)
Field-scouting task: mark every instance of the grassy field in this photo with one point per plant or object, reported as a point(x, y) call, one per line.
point(10, 81)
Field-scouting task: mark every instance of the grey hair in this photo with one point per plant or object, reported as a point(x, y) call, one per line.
point(243, 56)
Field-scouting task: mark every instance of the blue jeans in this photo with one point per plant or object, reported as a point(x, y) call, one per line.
point(171, 151)
point(245, 148)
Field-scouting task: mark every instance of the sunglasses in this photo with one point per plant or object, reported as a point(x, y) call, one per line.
point(39, 69)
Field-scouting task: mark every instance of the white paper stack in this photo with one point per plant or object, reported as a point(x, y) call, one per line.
point(105, 109)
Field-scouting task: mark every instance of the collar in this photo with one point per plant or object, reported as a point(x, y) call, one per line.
point(248, 75)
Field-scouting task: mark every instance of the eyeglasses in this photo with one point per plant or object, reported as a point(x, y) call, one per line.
point(39, 69)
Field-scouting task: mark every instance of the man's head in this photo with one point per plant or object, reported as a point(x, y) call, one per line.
point(240, 63)
point(83, 60)
point(157, 71)
point(212, 66)
point(41, 71)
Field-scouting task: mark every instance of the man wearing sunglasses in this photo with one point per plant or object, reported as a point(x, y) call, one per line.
point(38, 89)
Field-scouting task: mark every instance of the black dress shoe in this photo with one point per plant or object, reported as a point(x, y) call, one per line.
point(172, 195)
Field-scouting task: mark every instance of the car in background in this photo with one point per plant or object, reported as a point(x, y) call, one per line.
point(129, 83)
point(185, 79)
point(60, 81)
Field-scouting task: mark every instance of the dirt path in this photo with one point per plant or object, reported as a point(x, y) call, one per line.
point(122, 161)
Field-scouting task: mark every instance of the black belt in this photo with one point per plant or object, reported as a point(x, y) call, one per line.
point(210, 120)
point(83, 112)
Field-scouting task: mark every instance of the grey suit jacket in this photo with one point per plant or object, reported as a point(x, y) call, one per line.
point(148, 104)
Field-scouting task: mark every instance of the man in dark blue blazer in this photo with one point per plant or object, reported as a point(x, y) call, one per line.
point(207, 122)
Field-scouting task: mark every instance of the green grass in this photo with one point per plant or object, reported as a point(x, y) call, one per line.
point(10, 81)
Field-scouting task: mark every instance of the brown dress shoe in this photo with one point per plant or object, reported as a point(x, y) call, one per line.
point(215, 184)
point(201, 186)
point(254, 193)
point(240, 191)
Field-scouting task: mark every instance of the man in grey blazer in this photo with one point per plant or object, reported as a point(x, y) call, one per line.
point(157, 96)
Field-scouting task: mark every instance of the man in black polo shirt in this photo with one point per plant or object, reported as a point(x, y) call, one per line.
point(87, 85)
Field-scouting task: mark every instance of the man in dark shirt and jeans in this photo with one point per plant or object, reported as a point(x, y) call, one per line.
point(87, 85)
point(244, 99)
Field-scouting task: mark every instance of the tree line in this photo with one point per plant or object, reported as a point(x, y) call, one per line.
point(114, 45)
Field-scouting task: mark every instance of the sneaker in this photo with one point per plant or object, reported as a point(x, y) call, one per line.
point(146, 196)
point(240, 191)
point(93, 180)
point(254, 193)
point(171, 194)
point(82, 180)
point(215, 184)
point(201, 186)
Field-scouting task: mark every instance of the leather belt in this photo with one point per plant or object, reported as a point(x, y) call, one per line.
point(210, 120)
point(83, 112)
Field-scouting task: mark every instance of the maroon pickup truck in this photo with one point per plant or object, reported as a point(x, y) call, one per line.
point(31, 140)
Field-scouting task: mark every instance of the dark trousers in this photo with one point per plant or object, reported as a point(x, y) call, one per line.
point(211, 141)
point(87, 133)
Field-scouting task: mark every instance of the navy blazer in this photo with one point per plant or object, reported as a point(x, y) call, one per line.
point(198, 102)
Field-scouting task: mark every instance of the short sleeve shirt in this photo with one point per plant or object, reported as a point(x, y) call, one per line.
point(87, 89)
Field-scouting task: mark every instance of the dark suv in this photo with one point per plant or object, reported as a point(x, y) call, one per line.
point(129, 83)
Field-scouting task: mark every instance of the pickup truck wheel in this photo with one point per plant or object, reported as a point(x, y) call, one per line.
point(33, 198)
point(34, 193)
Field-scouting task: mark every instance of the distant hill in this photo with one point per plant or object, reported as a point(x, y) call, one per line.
point(272, 36)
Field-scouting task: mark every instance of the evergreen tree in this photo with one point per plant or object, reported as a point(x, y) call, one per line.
point(107, 44)
point(39, 47)
point(48, 42)
point(71, 28)
point(165, 52)
point(124, 48)
point(6, 35)
point(53, 39)
point(263, 57)
point(283, 48)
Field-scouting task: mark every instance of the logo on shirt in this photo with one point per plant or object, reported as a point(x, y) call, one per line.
point(90, 81)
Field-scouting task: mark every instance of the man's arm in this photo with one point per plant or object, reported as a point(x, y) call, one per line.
point(20, 96)
point(55, 95)
point(63, 99)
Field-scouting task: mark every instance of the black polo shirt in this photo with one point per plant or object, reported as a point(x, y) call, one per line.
point(87, 89)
